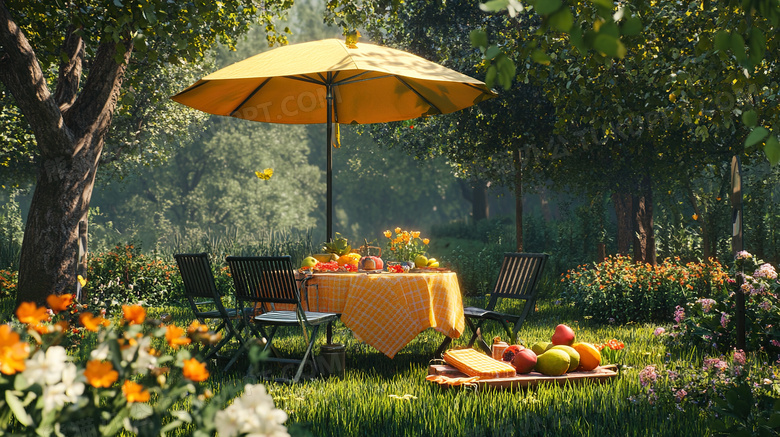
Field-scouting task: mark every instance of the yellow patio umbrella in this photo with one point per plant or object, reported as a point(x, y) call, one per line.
point(332, 82)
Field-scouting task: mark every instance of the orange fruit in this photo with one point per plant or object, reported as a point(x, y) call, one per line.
point(590, 357)
point(350, 258)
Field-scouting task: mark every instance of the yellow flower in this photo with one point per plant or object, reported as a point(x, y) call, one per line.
point(134, 392)
point(388, 234)
point(13, 352)
point(59, 303)
point(91, 322)
point(100, 373)
point(194, 370)
point(426, 241)
point(397, 230)
point(135, 314)
point(175, 336)
point(31, 314)
point(415, 234)
point(197, 327)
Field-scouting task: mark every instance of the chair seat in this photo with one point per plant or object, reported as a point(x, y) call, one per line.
point(214, 314)
point(479, 313)
point(291, 318)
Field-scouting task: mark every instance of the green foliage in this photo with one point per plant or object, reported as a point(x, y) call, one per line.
point(125, 275)
point(620, 291)
point(11, 233)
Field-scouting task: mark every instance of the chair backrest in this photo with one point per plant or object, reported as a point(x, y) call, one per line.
point(198, 280)
point(264, 279)
point(519, 276)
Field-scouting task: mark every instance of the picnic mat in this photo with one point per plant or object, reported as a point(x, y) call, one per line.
point(388, 310)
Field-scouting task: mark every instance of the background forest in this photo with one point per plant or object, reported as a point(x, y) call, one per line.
point(192, 178)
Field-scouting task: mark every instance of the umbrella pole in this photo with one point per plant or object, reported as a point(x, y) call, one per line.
point(329, 165)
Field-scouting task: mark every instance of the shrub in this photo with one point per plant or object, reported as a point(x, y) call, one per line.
point(125, 275)
point(8, 281)
point(711, 323)
point(137, 379)
point(618, 290)
point(740, 399)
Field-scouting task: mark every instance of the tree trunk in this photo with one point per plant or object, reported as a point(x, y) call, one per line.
point(49, 259)
point(623, 203)
point(519, 199)
point(644, 240)
point(70, 127)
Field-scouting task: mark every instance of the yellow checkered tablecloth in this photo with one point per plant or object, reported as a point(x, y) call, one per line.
point(388, 310)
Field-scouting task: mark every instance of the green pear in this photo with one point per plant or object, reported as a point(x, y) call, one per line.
point(574, 356)
point(541, 347)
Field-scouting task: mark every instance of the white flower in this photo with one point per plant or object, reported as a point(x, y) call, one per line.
point(144, 360)
point(100, 353)
point(67, 391)
point(253, 414)
point(45, 368)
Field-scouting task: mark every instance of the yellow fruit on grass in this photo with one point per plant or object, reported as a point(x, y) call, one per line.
point(590, 357)
point(421, 261)
point(574, 356)
point(554, 362)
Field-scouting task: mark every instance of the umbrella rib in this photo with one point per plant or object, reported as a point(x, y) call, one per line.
point(250, 96)
point(306, 79)
point(349, 81)
point(400, 79)
point(197, 85)
point(475, 87)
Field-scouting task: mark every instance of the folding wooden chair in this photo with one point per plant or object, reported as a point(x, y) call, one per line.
point(518, 279)
point(206, 301)
point(268, 280)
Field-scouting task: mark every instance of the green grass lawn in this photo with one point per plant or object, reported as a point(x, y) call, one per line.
point(362, 404)
point(369, 401)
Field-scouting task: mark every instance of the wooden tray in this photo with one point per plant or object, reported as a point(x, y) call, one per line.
point(599, 375)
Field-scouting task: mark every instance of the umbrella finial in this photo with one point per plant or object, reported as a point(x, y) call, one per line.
point(351, 38)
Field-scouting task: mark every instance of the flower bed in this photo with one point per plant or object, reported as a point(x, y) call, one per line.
point(618, 290)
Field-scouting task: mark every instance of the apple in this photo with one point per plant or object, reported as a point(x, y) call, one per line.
point(309, 262)
point(563, 335)
point(421, 261)
point(524, 361)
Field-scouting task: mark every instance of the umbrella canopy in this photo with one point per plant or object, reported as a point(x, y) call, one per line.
point(330, 82)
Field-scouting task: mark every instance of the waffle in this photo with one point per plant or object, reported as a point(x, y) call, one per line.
point(473, 363)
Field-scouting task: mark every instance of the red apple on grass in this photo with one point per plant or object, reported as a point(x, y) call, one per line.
point(563, 335)
point(524, 361)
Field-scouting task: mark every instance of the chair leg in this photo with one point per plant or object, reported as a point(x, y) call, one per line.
point(306, 356)
point(443, 347)
point(474, 337)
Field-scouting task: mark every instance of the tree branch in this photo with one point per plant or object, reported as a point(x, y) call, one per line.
point(70, 70)
point(95, 105)
point(21, 73)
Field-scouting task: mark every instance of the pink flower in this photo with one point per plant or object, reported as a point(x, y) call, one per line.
point(775, 343)
point(715, 363)
point(706, 304)
point(658, 331)
point(679, 314)
point(739, 357)
point(680, 394)
point(765, 271)
point(647, 375)
point(724, 319)
point(765, 305)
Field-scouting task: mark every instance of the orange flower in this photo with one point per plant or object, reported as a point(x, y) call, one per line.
point(135, 314)
point(40, 328)
point(194, 370)
point(197, 327)
point(398, 230)
point(31, 314)
point(59, 303)
point(12, 351)
point(426, 241)
point(91, 322)
point(415, 234)
point(134, 392)
point(100, 373)
point(388, 234)
point(175, 336)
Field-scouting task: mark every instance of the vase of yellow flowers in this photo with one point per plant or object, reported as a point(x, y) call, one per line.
point(405, 246)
